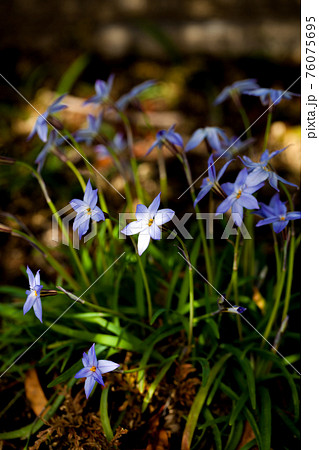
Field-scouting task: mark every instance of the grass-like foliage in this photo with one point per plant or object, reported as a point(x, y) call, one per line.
point(187, 341)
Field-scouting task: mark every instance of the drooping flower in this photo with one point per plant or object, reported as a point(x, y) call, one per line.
point(269, 97)
point(236, 88)
point(232, 147)
point(262, 171)
point(41, 124)
point(166, 136)
point(86, 209)
point(49, 145)
point(276, 214)
point(133, 94)
point(93, 370)
point(225, 306)
point(212, 181)
point(117, 145)
point(148, 223)
point(102, 90)
point(239, 196)
point(88, 135)
point(215, 136)
point(33, 295)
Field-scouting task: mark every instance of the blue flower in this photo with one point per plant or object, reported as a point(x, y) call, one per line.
point(102, 90)
point(88, 135)
point(49, 145)
point(261, 171)
point(276, 213)
point(41, 125)
point(86, 209)
point(33, 295)
point(240, 196)
point(166, 136)
point(214, 135)
point(212, 181)
point(147, 223)
point(236, 88)
point(223, 307)
point(93, 370)
point(117, 145)
point(134, 93)
point(269, 97)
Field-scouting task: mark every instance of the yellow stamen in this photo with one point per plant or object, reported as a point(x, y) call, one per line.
point(282, 218)
point(93, 369)
point(89, 211)
point(35, 293)
point(150, 222)
point(238, 194)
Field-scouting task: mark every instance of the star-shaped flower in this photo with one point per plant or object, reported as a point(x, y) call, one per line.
point(276, 214)
point(133, 94)
point(166, 136)
point(33, 299)
point(236, 88)
point(88, 135)
point(102, 90)
point(269, 97)
point(41, 125)
point(147, 223)
point(240, 196)
point(212, 181)
point(86, 209)
point(49, 145)
point(261, 170)
point(215, 136)
point(93, 370)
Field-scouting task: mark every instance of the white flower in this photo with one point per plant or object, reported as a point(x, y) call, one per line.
point(147, 223)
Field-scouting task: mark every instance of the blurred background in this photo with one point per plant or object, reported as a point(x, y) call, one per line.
point(194, 48)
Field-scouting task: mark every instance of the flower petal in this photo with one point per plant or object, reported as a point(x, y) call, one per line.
point(29, 302)
point(163, 216)
point(155, 232)
point(85, 360)
point(295, 215)
point(202, 193)
point(248, 201)
point(152, 209)
point(241, 178)
point(37, 278)
point(143, 242)
point(197, 137)
point(226, 204)
point(134, 227)
point(280, 225)
point(97, 214)
point(222, 170)
point(92, 356)
point(82, 224)
point(142, 213)
point(37, 307)
point(78, 205)
point(31, 277)
point(83, 373)
point(106, 366)
point(237, 213)
point(98, 377)
point(88, 386)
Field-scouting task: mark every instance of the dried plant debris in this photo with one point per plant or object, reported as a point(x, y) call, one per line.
point(76, 429)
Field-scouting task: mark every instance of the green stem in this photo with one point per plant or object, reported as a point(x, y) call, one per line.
point(277, 255)
point(234, 282)
point(289, 276)
point(146, 285)
point(269, 118)
point(105, 414)
point(243, 114)
point(77, 174)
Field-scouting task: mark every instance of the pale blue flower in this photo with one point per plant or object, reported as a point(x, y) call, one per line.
point(269, 97)
point(117, 145)
point(133, 94)
point(212, 181)
point(276, 214)
point(93, 370)
point(49, 145)
point(148, 222)
point(88, 135)
point(164, 137)
point(86, 209)
point(102, 90)
point(215, 136)
point(236, 88)
point(41, 125)
point(33, 295)
point(239, 196)
point(261, 170)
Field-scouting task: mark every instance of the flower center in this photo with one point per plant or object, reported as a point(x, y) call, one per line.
point(282, 218)
point(35, 292)
point(266, 169)
point(89, 211)
point(238, 194)
point(150, 222)
point(93, 369)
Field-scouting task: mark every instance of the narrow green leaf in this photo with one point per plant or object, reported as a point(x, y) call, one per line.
point(265, 418)
point(105, 414)
point(236, 433)
point(237, 408)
